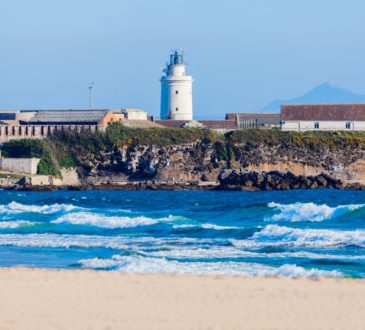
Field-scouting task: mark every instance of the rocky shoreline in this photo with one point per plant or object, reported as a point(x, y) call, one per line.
point(228, 180)
point(275, 180)
point(243, 160)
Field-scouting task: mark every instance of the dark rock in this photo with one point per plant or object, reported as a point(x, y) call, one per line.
point(204, 178)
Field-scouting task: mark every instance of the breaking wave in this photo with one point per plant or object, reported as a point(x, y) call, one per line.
point(138, 264)
point(16, 224)
point(205, 226)
point(15, 207)
point(206, 233)
point(61, 241)
point(273, 235)
point(310, 212)
point(111, 222)
point(92, 241)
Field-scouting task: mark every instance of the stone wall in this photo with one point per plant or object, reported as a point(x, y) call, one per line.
point(19, 165)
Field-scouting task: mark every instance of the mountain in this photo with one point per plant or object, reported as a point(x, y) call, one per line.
point(325, 93)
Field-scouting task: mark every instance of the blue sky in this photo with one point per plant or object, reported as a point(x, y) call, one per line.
point(242, 54)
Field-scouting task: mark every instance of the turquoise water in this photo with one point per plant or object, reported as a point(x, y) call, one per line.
point(307, 233)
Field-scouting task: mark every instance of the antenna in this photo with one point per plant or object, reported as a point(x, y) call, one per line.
point(91, 95)
point(182, 51)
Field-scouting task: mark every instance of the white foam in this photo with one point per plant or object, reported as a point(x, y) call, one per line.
point(184, 226)
point(309, 211)
point(140, 264)
point(216, 227)
point(16, 224)
point(111, 222)
point(201, 252)
point(64, 241)
point(205, 226)
point(15, 207)
point(217, 252)
point(274, 235)
point(91, 241)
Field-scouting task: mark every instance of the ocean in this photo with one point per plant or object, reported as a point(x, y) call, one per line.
point(303, 233)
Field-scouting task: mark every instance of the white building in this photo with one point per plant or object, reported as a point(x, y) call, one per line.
point(135, 114)
point(324, 117)
point(176, 90)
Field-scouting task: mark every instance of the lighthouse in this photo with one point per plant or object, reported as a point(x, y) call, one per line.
point(176, 90)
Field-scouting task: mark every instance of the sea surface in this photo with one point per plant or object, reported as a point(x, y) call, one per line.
point(303, 233)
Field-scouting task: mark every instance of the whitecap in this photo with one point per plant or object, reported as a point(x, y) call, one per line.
point(274, 235)
point(217, 227)
point(16, 208)
point(16, 224)
point(91, 241)
point(310, 211)
point(138, 264)
point(111, 222)
point(204, 226)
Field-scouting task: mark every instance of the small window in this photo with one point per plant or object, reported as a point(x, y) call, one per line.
point(348, 125)
point(177, 109)
point(176, 92)
point(316, 125)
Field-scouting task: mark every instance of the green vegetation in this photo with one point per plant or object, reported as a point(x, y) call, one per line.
point(10, 176)
point(311, 139)
point(48, 164)
point(65, 148)
point(118, 135)
point(224, 152)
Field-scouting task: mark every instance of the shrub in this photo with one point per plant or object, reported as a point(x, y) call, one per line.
point(25, 148)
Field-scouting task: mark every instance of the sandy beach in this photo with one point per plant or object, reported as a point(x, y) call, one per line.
point(44, 299)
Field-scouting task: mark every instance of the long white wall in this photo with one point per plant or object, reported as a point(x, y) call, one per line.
point(20, 165)
point(323, 126)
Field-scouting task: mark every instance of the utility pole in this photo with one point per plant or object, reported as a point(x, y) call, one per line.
point(91, 96)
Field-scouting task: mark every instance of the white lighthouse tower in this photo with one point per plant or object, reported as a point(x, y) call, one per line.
point(176, 90)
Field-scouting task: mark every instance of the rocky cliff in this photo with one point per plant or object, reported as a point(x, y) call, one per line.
point(245, 159)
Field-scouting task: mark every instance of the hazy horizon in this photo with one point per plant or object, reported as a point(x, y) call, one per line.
point(242, 55)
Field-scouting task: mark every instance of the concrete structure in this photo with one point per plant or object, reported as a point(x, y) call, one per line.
point(232, 122)
point(129, 114)
point(255, 120)
point(135, 114)
point(20, 165)
point(16, 115)
point(10, 132)
point(37, 124)
point(176, 90)
point(221, 126)
point(325, 117)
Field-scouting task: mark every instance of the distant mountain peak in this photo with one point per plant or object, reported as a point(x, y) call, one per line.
point(323, 93)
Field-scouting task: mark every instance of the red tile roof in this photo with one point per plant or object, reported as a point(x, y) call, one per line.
point(219, 124)
point(334, 112)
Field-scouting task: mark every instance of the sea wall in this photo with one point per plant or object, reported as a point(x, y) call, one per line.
point(19, 165)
